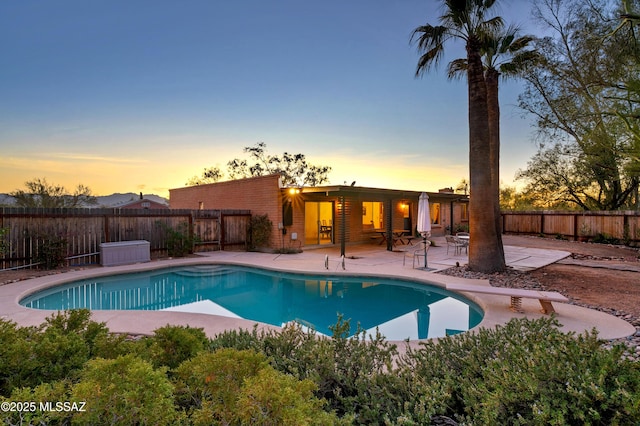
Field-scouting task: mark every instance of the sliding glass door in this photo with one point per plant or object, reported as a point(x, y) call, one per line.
point(318, 222)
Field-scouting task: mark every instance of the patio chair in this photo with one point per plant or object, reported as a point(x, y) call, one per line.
point(417, 250)
point(455, 243)
point(463, 238)
point(325, 230)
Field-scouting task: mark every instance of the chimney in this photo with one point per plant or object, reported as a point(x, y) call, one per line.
point(446, 191)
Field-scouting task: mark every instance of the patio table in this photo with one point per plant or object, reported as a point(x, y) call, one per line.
point(464, 239)
point(397, 235)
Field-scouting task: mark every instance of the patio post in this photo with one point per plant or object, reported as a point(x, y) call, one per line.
point(389, 221)
point(343, 225)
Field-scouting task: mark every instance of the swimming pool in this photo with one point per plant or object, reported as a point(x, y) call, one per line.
point(400, 309)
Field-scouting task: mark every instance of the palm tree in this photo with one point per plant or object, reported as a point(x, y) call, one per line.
point(504, 55)
point(467, 20)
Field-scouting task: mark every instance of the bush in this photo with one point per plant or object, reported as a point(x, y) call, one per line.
point(125, 390)
point(605, 239)
point(15, 356)
point(208, 385)
point(271, 397)
point(56, 350)
point(260, 228)
point(179, 241)
point(58, 391)
point(526, 372)
point(238, 339)
point(51, 252)
point(460, 227)
point(4, 244)
point(171, 345)
point(240, 387)
point(352, 374)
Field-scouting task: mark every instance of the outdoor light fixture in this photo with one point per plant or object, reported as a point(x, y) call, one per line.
point(294, 191)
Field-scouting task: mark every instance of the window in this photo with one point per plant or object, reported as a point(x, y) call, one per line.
point(464, 211)
point(435, 214)
point(373, 214)
point(201, 205)
point(405, 208)
point(146, 204)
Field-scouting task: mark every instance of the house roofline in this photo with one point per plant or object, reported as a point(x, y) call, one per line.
point(338, 190)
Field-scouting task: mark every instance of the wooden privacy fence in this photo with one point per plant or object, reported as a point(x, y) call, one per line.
point(83, 230)
point(621, 225)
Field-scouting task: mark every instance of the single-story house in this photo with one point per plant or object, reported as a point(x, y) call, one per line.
point(143, 204)
point(333, 214)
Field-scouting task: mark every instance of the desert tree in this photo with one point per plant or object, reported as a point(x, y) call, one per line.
point(579, 95)
point(40, 193)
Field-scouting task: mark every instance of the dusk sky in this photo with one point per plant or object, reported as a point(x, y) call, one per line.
point(130, 96)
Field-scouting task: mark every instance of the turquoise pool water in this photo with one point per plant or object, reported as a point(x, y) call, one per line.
point(400, 309)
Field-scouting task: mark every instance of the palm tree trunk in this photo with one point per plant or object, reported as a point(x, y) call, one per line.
point(493, 106)
point(484, 253)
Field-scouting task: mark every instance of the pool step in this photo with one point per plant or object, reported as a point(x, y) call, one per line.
point(196, 271)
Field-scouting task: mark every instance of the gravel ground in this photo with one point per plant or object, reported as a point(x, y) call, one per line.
point(525, 280)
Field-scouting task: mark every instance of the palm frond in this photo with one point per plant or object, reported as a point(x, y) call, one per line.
point(430, 40)
point(520, 63)
point(429, 59)
point(494, 24)
point(520, 43)
point(457, 69)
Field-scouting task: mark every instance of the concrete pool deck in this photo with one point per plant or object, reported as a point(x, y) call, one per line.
point(362, 260)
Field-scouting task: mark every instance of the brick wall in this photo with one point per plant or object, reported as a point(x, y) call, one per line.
point(261, 195)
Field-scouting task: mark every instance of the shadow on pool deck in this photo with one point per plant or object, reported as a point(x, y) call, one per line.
point(360, 260)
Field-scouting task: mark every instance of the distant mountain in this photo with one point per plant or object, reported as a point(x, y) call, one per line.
point(6, 200)
point(105, 201)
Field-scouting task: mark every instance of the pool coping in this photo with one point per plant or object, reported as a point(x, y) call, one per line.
point(496, 308)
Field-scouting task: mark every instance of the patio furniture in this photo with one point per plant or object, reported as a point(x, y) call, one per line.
point(516, 294)
point(463, 237)
point(326, 230)
point(396, 235)
point(417, 251)
point(454, 242)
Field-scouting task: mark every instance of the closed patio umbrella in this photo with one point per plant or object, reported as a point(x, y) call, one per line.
point(424, 221)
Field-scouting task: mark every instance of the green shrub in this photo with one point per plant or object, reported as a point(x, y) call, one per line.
point(78, 322)
point(526, 372)
point(240, 387)
point(173, 344)
point(180, 241)
point(605, 239)
point(15, 356)
point(53, 351)
point(4, 243)
point(46, 393)
point(350, 373)
point(260, 229)
point(460, 227)
point(125, 390)
point(238, 339)
point(208, 385)
point(273, 398)
point(51, 252)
